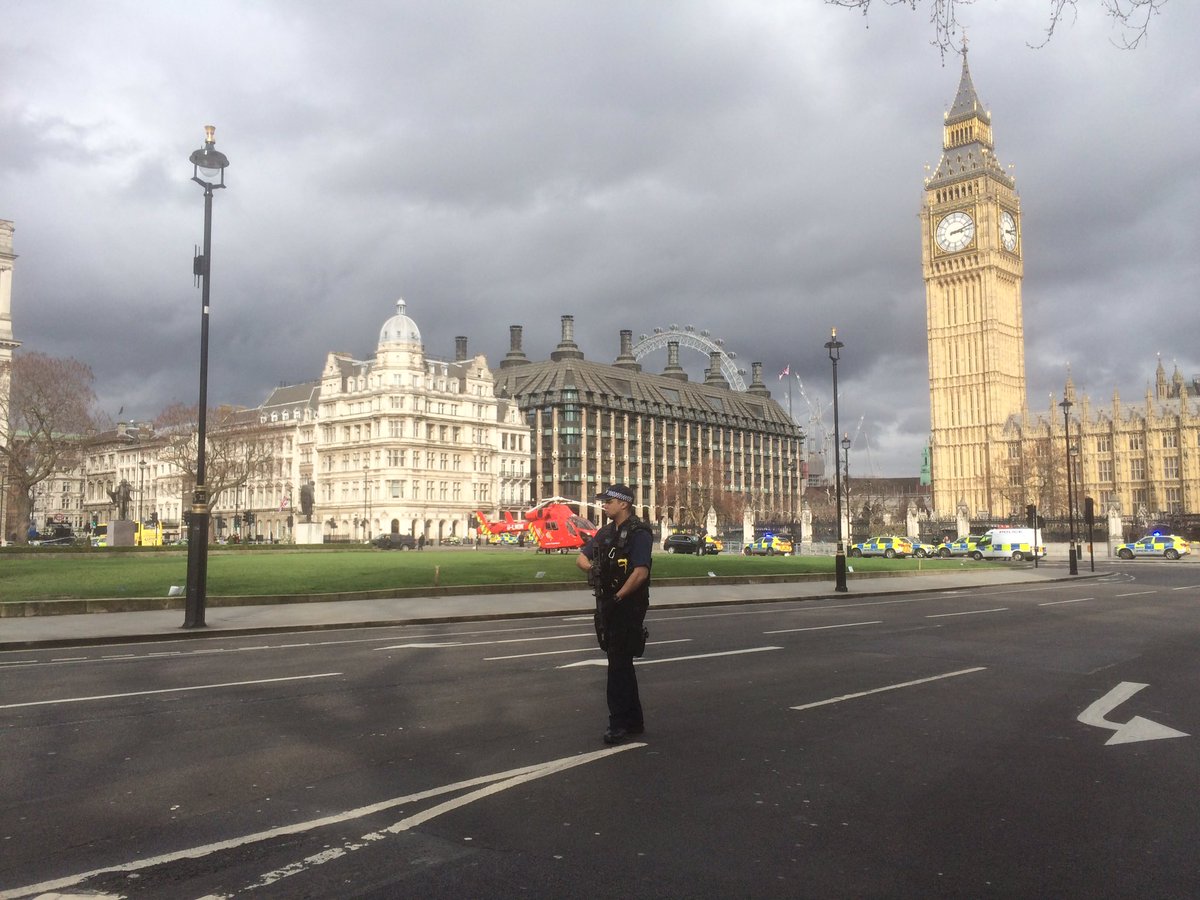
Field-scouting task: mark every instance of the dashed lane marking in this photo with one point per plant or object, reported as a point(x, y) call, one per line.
point(968, 612)
point(576, 650)
point(651, 662)
point(890, 687)
point(197, 687)
point(824, 627)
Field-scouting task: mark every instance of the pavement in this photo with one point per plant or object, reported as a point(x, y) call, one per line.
point(162, 625)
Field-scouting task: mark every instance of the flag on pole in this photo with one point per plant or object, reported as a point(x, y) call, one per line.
point(787, 370)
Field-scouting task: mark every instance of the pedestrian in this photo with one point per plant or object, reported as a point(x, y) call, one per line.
point(617, 561)
point(421, 542)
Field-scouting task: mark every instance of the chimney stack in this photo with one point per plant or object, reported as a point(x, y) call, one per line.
point(567, 348)
point(757, 388)
point(673, 369)
point(516, 356)
point(713, 376)
point(460, 348)
point(627, 360)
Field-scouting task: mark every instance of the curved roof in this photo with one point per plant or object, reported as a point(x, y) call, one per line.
point(399, 329)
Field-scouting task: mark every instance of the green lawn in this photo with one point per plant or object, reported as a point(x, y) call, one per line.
point(96, 574)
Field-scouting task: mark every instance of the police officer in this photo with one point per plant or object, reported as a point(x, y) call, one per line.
point(617, 561)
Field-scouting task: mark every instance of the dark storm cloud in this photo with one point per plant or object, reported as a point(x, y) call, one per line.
point(753, 169)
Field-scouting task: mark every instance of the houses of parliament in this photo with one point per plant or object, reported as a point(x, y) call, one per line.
point(991, 452)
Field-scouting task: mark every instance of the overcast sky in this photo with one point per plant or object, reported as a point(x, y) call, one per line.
point(749, 167)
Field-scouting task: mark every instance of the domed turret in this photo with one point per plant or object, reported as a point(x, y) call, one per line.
point(399, 329)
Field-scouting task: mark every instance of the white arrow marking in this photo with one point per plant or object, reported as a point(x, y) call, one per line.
point(1136, 729)
point(649, 662)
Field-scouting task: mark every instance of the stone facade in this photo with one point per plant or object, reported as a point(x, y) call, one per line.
point(399, 442)
point(971, 256)
point(1141, 460)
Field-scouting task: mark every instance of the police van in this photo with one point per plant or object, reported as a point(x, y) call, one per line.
point(1008, 543)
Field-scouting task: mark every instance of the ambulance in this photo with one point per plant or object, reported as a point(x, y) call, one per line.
point(1008, 543)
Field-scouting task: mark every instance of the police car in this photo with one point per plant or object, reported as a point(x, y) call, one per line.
point(1168, 546)
point(889, 546)
point(921, 551)
point(769, 545)
point(963, 546)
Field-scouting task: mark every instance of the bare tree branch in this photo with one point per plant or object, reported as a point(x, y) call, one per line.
point(1130, 17)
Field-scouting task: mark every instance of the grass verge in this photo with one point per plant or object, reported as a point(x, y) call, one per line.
point(92, 575)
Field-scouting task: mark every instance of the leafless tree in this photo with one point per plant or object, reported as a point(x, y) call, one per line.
point(48, 416)
point(236, 450)
point(1131, 18)
point(691, 491)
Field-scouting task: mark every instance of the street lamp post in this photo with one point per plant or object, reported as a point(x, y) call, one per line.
point(1073, 557)
point(849, 509)
point(366, 503)
point(834, 346)
point(141, 489)
point(208, 171)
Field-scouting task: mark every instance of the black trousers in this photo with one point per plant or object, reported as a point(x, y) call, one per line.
point(624, 704)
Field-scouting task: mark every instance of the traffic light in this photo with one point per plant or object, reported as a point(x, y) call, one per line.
point(248, 517)
point(1031, 515)
point(187, 518)
point(1089, 511)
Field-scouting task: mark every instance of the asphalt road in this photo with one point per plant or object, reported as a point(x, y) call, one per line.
point(914, 746)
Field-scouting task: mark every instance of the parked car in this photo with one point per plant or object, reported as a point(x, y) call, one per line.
point(769, 545)
point(963, 546)
point(921, 551)
point(1168, 546)
point(888, 546)
point(681, 543)
point(393, 541)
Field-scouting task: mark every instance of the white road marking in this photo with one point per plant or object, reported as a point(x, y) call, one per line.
point(823, 627)
point(890, 687)
point(1056, 602)
point(1137, 593)
point(969, 612)
point(1136, 729)
point(651, 662)
point(576, 650)
point(198, 687)
point(500, 781)
point(1188, 587)
point(664, 615)
point(524, 640)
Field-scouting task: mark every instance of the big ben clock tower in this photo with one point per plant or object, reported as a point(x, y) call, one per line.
point(971, 257)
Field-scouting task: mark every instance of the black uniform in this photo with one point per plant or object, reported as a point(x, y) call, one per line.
point(615, 552)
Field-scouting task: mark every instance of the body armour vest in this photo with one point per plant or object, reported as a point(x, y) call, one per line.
point(612, 557)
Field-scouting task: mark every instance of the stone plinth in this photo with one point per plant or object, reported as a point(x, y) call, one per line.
point(309, 533)
point(120, 533)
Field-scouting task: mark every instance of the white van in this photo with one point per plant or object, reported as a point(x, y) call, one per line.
point(1009, 543)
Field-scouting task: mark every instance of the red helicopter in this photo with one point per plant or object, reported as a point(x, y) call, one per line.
point(508, 526)
point(555, 526)
point(552, 523)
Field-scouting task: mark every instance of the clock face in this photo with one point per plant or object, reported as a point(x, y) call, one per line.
point(955, 232)
point(1008, 231)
